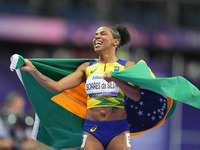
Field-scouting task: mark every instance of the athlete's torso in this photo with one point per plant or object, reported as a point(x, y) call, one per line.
point(105, 100)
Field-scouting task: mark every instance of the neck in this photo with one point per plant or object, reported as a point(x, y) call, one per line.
point(108, 57)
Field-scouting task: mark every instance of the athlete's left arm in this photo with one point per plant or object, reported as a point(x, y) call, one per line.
point(130, 90)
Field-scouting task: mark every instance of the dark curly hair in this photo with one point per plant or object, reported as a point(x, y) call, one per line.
point(120, 32)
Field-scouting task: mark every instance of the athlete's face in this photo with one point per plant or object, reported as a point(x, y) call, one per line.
point(104, 40)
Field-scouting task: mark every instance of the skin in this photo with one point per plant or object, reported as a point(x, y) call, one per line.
point(6, 143)
point(106, 52)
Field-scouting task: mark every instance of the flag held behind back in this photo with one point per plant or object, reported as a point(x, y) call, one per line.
point(61, 125)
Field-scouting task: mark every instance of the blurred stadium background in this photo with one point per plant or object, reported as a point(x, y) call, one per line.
point(165, 33)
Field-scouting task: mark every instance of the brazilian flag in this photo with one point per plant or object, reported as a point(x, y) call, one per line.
point(60, 117)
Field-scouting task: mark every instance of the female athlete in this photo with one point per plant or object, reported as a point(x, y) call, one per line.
point(105, 125)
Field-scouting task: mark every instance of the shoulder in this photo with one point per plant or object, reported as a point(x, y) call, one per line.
point(83, 66)
point(129, 64)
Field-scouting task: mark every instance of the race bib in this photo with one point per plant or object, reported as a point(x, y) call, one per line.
point(83, 140)
point(96, 86)
point(128, 139)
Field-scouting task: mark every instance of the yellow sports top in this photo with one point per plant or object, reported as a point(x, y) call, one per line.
point(100, 92)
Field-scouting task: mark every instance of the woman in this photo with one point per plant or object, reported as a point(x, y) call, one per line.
point(105, 124)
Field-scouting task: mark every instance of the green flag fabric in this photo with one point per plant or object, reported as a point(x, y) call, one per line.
point(53, 120)
point(177, 88)
point(59, 121)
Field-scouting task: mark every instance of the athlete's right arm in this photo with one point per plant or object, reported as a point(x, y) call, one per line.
point(68, 82)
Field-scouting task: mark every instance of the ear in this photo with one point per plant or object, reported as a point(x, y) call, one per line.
point(116, 42)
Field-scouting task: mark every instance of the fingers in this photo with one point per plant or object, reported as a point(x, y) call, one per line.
point(107, 74)
point(27, 62)
point(28, 66)
point(108, 77)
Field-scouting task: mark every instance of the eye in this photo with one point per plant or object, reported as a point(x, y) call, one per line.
point(103, 33)
point(96, 34)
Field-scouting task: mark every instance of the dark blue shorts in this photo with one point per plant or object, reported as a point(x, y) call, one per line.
point(104, 131)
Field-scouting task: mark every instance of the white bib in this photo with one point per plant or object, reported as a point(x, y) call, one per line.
point(96, 86)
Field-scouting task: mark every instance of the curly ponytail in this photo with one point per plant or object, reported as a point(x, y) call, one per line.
point(121, 32)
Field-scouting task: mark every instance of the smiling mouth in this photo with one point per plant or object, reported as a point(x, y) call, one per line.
point(98, 43)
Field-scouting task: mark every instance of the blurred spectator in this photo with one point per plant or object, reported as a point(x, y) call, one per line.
point(16, 130)
point(5, 141)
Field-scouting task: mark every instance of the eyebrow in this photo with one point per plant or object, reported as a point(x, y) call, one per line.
point(101, 32)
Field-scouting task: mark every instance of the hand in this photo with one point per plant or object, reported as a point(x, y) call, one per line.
point(29, 144)
point(28, 66)
point(108, 77)
point(7, 143)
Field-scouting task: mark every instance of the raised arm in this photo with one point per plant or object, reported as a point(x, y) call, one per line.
point(68, 82)
point(130, 90)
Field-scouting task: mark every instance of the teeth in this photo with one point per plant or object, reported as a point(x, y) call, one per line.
point(98, 43)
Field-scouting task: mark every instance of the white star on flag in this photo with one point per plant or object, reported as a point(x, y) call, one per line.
point(140, 113)
point(153, 118)
point(142, 93)
point(141, 103)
